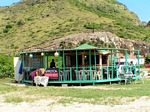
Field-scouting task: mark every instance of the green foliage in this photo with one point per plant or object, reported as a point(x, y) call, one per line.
point(20, 22)
point(7, 28)
point(44, 20)
point(148, 24)
point(92, 26)
point(147, 59)
point(114, 93)
point(58, 62)
point(6, 66)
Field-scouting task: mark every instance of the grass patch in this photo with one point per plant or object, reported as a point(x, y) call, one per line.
point(112, 94)
point(129, 90)
point(18, 99)
point(13, 99)
point(102, 101)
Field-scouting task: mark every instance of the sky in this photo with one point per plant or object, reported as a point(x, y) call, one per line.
point(140, 7)
point(7, 2)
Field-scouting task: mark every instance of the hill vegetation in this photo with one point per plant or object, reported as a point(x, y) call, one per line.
point(32, 22)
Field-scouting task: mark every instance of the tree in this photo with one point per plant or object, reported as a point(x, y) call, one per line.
point(148, 24)
point(147, 59)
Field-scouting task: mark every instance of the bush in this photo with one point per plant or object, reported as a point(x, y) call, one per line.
point(7, 28)
point(147, 59)
point(92, 26)
point(20, 22)
point(6, 66)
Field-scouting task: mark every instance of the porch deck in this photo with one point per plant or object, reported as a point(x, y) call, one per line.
point(89, 75)
point(84, 82)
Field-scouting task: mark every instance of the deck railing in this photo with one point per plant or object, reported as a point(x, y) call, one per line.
point(96, 73)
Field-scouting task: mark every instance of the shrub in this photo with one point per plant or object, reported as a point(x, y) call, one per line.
point(147, 59)
point(6, 66)
point(20, 22)
point(92, 26)
point(7, 28)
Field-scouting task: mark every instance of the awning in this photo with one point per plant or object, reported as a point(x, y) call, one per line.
point(85, 46)
point(104, 52)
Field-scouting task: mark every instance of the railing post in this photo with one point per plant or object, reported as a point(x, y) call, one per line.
point(102, 75)
point(138, 62)
point(107, 72)
point(91, 77)
point(126, 60)
point(70, 73)
point(90, 65)
point(112, 66)
point(82, 72)
point(64, 71)
point(95, 64)
point(59, 65)
point(112, 72)
point(117, 72)
point(77, 65)
point(135, 71)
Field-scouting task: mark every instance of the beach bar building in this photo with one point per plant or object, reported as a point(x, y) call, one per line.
point(84, 64)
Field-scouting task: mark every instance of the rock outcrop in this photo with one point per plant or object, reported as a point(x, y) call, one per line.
point(98, 38)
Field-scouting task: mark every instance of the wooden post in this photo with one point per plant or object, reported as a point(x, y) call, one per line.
point(126, 60)
point(107, 60)
point(95, 77)
point(45, 62)
point(95, 58)
point(83, 60)
point(70, 74)
point(100, 59)
point(112, 68)
point(90, 64)
point(77, 65)
point(64, 66)
point(59, 65)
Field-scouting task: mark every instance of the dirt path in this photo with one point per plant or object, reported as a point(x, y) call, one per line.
point(140, 105)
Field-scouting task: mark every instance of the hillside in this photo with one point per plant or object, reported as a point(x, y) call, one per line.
point(33, 22)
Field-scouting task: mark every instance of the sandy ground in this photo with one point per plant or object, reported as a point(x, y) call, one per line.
point(140, 105)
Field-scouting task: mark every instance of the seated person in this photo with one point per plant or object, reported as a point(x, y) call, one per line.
point(52, 64)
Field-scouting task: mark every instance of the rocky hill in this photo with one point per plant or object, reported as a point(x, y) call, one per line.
point(99, 39)
point(38, 22)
